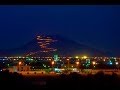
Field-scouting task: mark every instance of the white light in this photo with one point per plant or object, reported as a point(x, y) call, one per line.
point(116, 63)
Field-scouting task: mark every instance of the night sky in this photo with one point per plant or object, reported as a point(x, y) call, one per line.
point(96, 26)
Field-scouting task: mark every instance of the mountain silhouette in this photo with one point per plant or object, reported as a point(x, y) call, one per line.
point(64, 46)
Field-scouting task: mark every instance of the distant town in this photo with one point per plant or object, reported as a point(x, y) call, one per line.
point(56, 64)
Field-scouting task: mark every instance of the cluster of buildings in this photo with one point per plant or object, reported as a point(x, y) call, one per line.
point(58, 64)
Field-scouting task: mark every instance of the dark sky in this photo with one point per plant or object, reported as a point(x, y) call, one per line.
point(97, 26)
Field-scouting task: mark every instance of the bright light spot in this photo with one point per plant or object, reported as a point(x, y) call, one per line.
point(50, 59)
point(75, 70)
point(116, 63)
point(77, 57)
point(58, 70)
point(20, 63)
point(77, 63)
point(53, 62)
point(1, 70)
point(93, 62)
point(110, 63)
point(67, 59)
point(84, 57)
point(20, 57)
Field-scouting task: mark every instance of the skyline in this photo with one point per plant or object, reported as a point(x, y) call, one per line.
point(96, 26)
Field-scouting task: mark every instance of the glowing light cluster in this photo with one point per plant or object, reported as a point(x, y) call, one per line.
point(44, 43)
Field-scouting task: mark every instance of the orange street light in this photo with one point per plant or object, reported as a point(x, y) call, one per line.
point(67, 59)
point(53, 63)
point(77, 63)
point(20, 63)
point(93, 62)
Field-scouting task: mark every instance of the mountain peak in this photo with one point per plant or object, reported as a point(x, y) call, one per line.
point(48, 45)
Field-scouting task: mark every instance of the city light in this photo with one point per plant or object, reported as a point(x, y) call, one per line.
point(110, 63)
point(116, 63)
point(76, 57)
point(67, 59)
point(93, 62)
point(64, 62)
point(20, 63)
point(50, 59)
point(84, 57)
point(53, 63)
point(77, 63)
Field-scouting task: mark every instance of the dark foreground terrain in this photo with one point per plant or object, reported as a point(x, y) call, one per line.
point(74, 81)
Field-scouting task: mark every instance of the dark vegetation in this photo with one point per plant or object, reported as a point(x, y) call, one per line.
point(74, 81)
